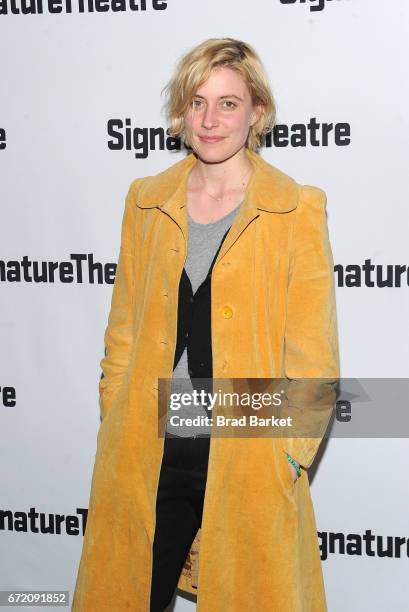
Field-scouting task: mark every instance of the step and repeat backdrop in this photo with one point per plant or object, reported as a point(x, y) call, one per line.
point(81, 116)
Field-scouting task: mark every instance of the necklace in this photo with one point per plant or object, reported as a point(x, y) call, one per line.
point(219, 199)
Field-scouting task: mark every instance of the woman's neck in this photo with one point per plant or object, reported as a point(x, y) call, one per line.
point(221, 176)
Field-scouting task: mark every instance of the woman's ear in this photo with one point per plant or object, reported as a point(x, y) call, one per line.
point(257, 112)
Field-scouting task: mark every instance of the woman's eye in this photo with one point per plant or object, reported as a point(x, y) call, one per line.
point(230, 104)
point(196, 103)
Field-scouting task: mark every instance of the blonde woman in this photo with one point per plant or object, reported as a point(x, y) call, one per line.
point(225, 271)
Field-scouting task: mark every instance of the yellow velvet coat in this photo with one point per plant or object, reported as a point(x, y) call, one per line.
point(257, 548)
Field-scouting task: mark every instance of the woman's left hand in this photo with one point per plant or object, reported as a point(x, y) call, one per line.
point(293, 471)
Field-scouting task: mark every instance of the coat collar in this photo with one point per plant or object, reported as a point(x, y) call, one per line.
point(268, 189)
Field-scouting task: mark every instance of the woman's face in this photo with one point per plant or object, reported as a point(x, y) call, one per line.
point(218, 122)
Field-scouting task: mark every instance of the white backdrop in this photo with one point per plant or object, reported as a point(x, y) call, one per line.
point(63, 179)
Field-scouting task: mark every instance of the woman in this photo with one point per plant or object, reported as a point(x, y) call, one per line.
point(227, 518)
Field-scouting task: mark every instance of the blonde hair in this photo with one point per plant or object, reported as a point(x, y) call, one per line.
point(194, 68)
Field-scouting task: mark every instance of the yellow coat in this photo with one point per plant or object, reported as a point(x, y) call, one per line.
point(258, 540)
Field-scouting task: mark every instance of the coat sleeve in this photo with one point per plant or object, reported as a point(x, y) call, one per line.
point(118, 336)
point(311, 353)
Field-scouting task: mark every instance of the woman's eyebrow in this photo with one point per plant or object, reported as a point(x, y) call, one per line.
point(222, 97)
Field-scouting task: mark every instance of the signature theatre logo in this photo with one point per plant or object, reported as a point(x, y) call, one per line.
point(315, 5)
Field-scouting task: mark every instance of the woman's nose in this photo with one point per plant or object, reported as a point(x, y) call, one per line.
point(209, 118)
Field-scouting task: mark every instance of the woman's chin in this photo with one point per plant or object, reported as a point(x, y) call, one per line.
point(214, 154)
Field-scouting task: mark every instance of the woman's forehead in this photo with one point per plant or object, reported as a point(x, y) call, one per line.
point(223, 82)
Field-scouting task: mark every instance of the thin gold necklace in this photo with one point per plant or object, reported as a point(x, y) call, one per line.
point(221, 198)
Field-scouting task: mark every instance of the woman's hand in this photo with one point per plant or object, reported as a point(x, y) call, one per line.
point(293, 471)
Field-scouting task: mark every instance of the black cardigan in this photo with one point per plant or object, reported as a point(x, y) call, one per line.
point(194, 326)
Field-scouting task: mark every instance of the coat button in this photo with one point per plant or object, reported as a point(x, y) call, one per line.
point(227, 312)
point(186, 334)
point(190, 372)
point(191, 299)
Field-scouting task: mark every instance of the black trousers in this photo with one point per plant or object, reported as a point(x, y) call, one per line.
point(179, 508)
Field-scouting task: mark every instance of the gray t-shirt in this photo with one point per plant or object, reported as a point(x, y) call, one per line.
point(203, 242)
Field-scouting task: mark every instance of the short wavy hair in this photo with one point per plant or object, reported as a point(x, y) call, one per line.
point(194, 68)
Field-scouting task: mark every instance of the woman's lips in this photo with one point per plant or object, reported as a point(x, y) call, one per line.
point(210, 139)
